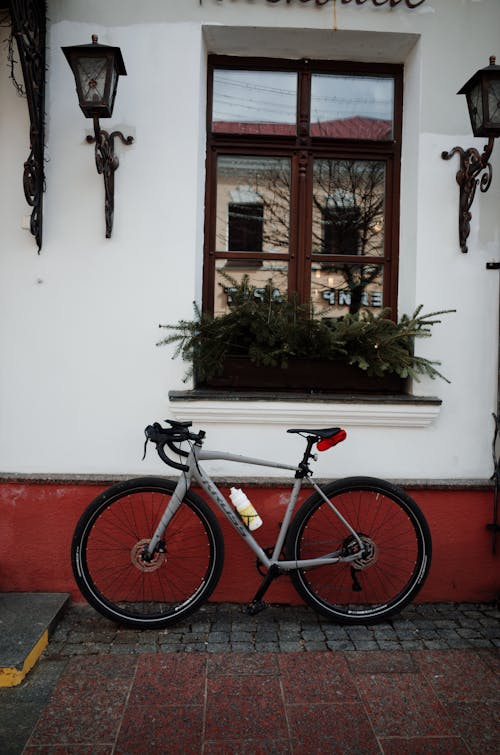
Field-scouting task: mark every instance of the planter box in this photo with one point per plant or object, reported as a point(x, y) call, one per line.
point(309, 375)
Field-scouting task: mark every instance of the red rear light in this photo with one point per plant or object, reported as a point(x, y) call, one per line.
point(327, 443)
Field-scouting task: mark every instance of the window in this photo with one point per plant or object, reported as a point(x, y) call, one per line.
point(341, 229)
point(245, 227)
point(303, 181)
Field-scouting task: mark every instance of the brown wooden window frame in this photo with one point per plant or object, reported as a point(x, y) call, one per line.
point(302, 149)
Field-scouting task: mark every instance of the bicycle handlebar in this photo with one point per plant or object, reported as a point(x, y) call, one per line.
point(178, 432)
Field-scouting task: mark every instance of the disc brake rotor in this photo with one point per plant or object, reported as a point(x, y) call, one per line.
point(370, 552)
point(140, 563)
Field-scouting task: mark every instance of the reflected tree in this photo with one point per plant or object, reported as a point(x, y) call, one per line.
point(348, 218)
point(348, 203)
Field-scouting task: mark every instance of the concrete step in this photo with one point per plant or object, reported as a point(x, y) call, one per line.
point(27, 621)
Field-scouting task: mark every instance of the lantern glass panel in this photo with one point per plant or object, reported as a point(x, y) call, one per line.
point(113, 84)
point(92, 75)
point(494, 102)
point(475, 102)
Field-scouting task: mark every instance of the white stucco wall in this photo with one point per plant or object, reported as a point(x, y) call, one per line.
point(80, 374)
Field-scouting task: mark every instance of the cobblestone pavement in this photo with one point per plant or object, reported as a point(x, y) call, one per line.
point(219, 628)
point(225, 682)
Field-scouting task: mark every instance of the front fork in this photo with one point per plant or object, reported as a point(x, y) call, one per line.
point(156, 541)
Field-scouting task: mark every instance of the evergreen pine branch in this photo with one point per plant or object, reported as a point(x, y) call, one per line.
point(271, 330)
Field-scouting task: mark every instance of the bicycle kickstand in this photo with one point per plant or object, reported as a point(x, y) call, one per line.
point(257, 604)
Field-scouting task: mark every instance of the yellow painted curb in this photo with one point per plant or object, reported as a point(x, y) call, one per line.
point(11, 677)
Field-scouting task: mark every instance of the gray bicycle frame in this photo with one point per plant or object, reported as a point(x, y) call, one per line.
point(195, 472)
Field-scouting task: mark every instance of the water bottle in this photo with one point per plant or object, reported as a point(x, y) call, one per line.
point(243, 506)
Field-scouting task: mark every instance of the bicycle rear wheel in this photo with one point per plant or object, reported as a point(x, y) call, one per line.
point(107, 552)
point(394, 567)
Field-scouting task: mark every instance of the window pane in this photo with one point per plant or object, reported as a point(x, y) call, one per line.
point(245, 223)
point(352, 107)
point(253, 204)
point(269, 272)
point(340, 288)
point(254, 102)
point(348, 207)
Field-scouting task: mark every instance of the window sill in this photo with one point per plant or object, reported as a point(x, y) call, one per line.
point(214, 407)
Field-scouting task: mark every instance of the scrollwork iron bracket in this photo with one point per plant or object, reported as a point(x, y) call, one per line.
point(472, 164)
point(106, 163)
point(494, 527)
point(28, 25)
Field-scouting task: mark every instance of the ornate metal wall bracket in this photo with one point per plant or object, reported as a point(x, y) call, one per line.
point(494, 527)
point(472, 164)
point(28, 25)
point(107, 162)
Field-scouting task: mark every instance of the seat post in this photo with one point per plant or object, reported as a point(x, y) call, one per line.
point(303, 468)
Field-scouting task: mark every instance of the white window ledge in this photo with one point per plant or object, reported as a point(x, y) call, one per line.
point(401, 411)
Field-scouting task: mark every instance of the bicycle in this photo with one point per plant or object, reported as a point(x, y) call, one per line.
point(148, 552)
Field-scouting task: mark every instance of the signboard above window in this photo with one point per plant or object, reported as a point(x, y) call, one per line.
point(377, 3)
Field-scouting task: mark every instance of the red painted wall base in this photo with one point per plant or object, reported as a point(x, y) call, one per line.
point(37, 522)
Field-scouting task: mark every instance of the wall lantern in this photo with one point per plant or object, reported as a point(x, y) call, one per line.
point(483, 99)
point(96, 69)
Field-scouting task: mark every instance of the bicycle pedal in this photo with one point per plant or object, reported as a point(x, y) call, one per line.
point(255, 607)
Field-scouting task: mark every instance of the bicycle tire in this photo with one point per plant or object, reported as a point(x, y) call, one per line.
point(110, 537)
point(390, 522)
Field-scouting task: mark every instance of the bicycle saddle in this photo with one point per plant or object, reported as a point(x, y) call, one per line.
point(328, 432)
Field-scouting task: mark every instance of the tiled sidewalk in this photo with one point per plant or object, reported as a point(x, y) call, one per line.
point(363, 702)
point(285, 681)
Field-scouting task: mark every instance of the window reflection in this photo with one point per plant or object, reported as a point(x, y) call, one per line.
point(338, 289)
point(348, 207)
point(352, 107)
point(245, 221)
point(253, 204)
point(320, 209)
point(254, 102)
point(226, 278)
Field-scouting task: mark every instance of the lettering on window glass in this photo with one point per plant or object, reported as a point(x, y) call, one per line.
point(332, 297)
point(344, 298)
point(258, 294)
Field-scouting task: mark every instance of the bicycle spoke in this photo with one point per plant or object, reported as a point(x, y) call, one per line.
point(111, 568)
point(395, 538)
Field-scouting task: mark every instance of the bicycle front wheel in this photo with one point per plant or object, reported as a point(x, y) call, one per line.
point(108, 546)
point(397, 553)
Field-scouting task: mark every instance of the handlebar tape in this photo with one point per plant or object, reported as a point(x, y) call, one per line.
point(163, 456)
